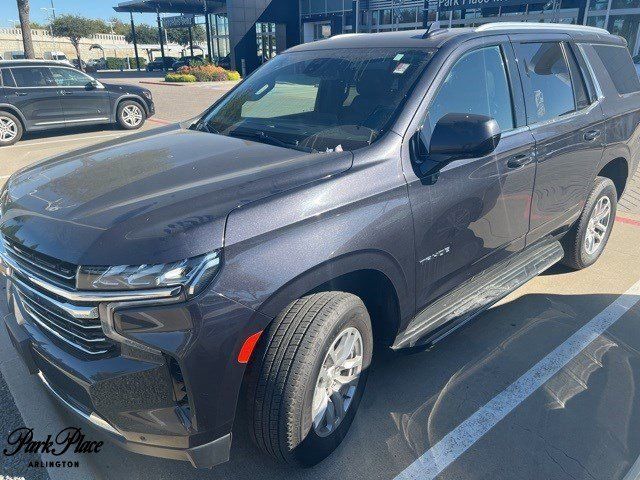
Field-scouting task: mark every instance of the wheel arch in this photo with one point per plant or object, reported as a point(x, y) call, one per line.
point(13, 110)
point(372, 275)
point(135, 98)
point(617, 170)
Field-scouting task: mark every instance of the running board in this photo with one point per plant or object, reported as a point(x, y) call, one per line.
point(459, 306)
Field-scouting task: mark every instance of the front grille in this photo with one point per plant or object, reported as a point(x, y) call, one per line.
point(76, 327)
point(56, 271)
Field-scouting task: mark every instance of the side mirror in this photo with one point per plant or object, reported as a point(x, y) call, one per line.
point(463, 135)
point(93, 85)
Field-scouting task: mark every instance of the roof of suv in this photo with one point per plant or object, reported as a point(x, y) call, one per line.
point(42, 63)
point(436, 38)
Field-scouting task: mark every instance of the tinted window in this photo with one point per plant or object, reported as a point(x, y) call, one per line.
point(618, 63)
point(68, 77)
point(33, 77)
point(477, 83)
point(577, 80)
point(547, 81)
point(7, 79)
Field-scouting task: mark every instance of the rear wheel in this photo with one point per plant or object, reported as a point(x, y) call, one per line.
point(10, 129)
point(130, 115)
point(308, 376)
point(587, 239)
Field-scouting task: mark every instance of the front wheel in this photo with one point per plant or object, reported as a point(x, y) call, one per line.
point(130, 115)
point(308, 377)
point(10, 129)
point(585, 242)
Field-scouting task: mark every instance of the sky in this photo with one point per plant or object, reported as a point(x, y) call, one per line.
point(87, 8)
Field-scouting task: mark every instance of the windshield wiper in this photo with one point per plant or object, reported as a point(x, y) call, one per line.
point(260, 136)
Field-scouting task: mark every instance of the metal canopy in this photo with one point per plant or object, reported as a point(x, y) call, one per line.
point(171, 6)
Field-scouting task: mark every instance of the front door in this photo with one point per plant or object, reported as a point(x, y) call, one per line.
point(569, 132)
point(82, 102)
point(33, 92)
point(475, 211)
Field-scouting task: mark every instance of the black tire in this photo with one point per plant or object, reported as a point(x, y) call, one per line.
point(576, 255)
point(282, 377)
point(121, 115)
point(10, 126)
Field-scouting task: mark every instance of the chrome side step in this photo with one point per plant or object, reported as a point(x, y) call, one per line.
point(459, 306)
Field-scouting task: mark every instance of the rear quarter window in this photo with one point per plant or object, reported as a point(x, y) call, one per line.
point(6, 79)
point(619, 65)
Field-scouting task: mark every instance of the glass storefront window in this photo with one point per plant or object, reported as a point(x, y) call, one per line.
point(337, 5)
point(598, 4)
point(625, 4)
point(406, 14)
point(317, 6)
point(385, 17)
point(626, 26)
point(304, 6)
point(597, 21)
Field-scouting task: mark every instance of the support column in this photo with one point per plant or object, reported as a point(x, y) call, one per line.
point(135, 41)
point(164, 67)
point(207, 26)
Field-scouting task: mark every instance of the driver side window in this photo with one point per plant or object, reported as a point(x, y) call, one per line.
point(67, 77)
point(478, 84)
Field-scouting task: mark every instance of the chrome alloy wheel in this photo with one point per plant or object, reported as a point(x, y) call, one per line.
point(132, 115)
point(8, 129)
point(598, 225)
point(337, 381)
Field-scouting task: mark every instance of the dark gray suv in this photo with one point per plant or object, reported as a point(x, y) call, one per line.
point(40, 95)
point(366, 188)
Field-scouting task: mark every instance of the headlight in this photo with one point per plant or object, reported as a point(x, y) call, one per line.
point(193, 273)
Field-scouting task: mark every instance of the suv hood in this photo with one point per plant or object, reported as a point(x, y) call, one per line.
point(153, 197)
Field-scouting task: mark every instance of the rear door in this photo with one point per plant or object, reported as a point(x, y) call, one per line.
point(81, 102)
point(35, 94)
point(475, 211)
point(567, 123)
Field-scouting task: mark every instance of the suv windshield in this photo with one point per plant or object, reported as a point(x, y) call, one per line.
point(320, 100)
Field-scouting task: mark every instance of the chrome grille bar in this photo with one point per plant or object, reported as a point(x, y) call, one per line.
point(39, 264)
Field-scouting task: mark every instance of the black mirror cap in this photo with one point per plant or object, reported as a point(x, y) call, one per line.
point(464, 135)
point(92, 85)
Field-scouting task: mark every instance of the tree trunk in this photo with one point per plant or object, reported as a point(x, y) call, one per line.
point(76, 45)
point(25, 27)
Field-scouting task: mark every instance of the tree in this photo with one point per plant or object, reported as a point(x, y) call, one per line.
point(74, 28)
point(25, 28)
point(144, 34)
point(39, 26)
point(120, 27)
point(181, 35)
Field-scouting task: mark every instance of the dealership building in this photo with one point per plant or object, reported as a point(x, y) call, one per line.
point(252, 31)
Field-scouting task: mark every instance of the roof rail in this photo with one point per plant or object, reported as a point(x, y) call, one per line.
point(539, 26)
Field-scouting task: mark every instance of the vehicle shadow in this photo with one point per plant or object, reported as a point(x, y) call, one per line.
point(63, 132)
point(413, 400)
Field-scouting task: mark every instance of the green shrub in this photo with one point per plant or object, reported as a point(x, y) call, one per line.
point(233, 75)
point(180, 77)
point(114, 63)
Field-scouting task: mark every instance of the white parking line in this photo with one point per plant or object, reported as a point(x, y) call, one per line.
point(634, 471)
point(460, 439)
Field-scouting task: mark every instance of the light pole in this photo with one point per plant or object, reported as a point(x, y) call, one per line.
point(52, 19)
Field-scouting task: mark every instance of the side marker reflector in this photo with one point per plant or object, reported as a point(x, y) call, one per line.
point(248, 346)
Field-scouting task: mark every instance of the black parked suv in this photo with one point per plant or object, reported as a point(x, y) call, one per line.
point(365, 188)
point(41, 95)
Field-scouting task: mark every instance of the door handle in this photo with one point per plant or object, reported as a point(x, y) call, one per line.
point(65, 92)
point(518, 161)
point(21, 94)
point(591, 135)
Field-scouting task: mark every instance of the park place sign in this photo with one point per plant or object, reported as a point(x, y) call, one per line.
point(445, 5)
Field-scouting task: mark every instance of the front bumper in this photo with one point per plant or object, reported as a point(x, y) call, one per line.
point(179, 403)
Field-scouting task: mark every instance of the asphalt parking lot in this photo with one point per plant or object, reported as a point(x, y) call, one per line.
point(542, 386)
